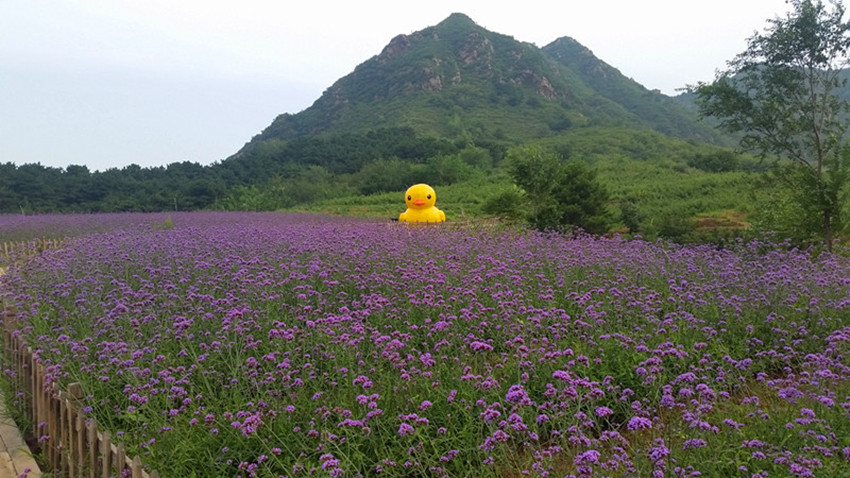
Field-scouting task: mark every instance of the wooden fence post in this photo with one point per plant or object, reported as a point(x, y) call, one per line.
point(75, 428)
point(64, 434)
point(106, 455)
point(93, 444)
point(79, 445)
point(26, 381)
point(121, 458)
point(39, 425)
point(137, 467)
point(54, 419)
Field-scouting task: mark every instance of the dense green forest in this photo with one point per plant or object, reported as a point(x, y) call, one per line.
point(308, 167)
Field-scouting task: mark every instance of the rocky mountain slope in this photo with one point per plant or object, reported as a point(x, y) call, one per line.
point(459, 80)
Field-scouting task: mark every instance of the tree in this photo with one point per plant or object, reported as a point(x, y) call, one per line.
point(781, 96)
point(449, 169)
point(384, 175)
point(561, 196)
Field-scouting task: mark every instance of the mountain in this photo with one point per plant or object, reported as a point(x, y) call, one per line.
point(458, 80)
point(652, 108)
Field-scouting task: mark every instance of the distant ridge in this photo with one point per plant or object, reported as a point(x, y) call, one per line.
point(658, 111)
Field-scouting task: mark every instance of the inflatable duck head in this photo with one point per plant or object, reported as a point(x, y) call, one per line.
point(420, 200)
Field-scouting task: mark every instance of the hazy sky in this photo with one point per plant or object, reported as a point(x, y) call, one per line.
point(107, 83)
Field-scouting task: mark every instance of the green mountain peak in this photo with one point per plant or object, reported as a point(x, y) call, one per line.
point(459, 80)
point(457, 20)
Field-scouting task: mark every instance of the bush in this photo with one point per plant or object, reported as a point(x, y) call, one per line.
point(716, 162)
point(508, 204)
point(561, 196)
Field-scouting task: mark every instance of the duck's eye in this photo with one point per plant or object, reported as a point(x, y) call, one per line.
point(429, 196)
point(409, 198)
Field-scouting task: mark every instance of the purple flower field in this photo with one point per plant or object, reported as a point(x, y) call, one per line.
point(289, 345)
point(15, 227)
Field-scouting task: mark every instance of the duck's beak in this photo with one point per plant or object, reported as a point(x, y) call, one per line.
point(419, 202)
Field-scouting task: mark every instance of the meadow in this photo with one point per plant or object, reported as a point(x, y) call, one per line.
point(269, 344)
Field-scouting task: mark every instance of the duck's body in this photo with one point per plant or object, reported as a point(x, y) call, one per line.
point(430, 215)
point(420, 200)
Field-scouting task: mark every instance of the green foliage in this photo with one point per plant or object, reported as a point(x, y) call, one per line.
point(301, 185)
point(508, 204)
point(449, 169)
point(716, 162)
point(268, 196)
point(476, 157)
point(782, 95)
point(630, 215)
point(562, 196)
point(311, 184)
point(385, 175)
point(600, 143)
point(794, 203)
point(672, 226)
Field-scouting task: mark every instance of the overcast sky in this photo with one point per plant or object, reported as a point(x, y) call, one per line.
point(107, 83)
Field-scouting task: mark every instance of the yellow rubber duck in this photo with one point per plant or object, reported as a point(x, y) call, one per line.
point(420, 199)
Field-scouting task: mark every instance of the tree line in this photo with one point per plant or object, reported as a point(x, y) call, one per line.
point(35, 188)
point(308, 167)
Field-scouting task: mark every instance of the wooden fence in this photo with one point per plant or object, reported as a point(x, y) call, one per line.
point(72, 443)
point(26, 249)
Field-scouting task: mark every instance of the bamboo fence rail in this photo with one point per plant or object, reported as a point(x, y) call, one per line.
point(73, 445)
